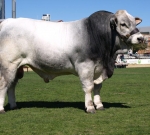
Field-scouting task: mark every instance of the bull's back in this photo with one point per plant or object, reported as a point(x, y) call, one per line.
point(45, 44)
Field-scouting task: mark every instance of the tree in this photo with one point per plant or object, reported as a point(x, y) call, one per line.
point(136, 48)
point(142, 46)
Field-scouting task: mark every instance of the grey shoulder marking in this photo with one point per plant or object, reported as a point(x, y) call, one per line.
point(101, 39)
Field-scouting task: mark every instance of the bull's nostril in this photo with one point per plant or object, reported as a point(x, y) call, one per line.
point(140, 39)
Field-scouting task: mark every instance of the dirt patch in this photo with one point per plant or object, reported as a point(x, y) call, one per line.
point(137, 65)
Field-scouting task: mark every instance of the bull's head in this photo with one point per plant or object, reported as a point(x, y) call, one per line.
point(125, 25)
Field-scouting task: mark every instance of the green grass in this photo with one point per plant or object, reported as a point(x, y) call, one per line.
point(57, 108)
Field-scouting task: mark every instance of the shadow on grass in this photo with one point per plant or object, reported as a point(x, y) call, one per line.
point(58, 104)
point(116, 105)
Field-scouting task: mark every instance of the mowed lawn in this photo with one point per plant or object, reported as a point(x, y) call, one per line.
point(57, 108)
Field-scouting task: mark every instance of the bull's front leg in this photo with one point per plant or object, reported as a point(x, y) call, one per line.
point(88, 88)
point(97, 99)
point(86, 77)
point(101, 78)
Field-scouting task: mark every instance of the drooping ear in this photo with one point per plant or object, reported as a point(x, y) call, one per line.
point(113, 21)
point(138, 20)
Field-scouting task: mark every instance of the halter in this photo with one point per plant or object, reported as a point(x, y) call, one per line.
point(128, 35)
point(131, 33)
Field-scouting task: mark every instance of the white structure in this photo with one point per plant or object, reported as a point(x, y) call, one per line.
point(46, 17)
point(13, 8)
point(2, 9)
point(138, 61)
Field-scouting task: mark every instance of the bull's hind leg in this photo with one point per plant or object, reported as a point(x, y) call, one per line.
point(11, 89)
point(97, 99)
point(7, 77)
point(3, 90)
point(11, 95)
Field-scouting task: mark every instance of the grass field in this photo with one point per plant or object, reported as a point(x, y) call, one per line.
point(57, 108)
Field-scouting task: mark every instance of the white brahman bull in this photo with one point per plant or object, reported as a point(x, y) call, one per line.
point(85, 48)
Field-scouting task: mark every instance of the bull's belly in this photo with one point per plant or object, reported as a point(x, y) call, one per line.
point(49, 71)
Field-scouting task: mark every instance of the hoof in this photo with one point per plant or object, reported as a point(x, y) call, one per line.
point(91, 110)
point(2, 112)
point(100, 108)
point(14, 108)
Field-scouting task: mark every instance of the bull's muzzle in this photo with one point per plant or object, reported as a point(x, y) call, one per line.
point(140, 39)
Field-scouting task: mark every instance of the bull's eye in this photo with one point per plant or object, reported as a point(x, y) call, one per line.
point(124, 25)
